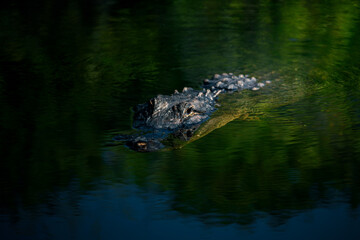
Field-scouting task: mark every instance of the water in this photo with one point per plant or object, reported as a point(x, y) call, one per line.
point(71, 71)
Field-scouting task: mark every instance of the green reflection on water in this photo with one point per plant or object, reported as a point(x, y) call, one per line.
point(69, 73)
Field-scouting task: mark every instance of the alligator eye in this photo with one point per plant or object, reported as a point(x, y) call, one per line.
point(189, 134)
point(189, 110)
point(141, 145)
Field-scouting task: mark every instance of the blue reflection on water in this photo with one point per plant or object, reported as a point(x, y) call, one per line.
point(124, 212)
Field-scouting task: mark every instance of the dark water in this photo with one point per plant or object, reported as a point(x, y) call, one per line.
point(70, 72)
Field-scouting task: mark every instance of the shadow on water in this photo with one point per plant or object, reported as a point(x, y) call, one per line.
point(71, 71)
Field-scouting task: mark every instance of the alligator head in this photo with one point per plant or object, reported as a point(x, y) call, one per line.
point(175, 111)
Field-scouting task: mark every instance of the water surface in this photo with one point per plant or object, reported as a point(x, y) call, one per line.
point(70, 72)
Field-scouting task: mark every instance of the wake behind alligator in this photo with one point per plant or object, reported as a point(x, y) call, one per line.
point(167, 121)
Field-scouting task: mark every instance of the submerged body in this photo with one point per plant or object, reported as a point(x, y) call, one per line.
point(167, 118)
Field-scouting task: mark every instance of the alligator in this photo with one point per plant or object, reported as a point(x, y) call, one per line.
point(167, 121)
